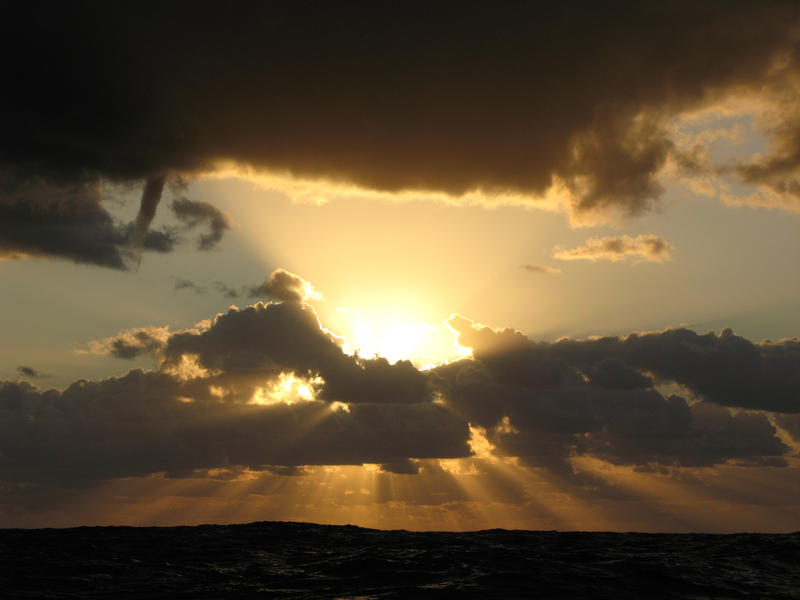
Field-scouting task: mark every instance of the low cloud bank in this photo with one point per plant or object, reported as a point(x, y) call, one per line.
point(268, 387)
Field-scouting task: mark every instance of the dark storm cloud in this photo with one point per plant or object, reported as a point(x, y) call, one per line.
point(68, 222)
point(451, 98)
point(30, 372)
point(725, 369)
point(193, 213)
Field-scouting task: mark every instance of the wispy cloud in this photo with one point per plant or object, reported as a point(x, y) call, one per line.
point(643, 247)
point(30, 372)
point(541, 269)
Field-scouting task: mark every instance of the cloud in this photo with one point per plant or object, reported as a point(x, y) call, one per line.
point(546, 405)
point(486, 100)
point(645, 247)
point(268, 387)
point(285, 286)
point(406, 467)
point(132, 343)
point(790, 424)
point(151, 196)
point(280, 285)
point(187, 284)
point(30, 372)
point(194, 213)
point(776, 173)
point(725, 369)
point(541, 269)
point(68, 221)
point(265, 385)
point(38, 219)
point(136, 425)
point(546, 427)
point(259, 342)
point(225, 290)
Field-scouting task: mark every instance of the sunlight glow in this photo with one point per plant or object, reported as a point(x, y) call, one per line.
point(188, 368)
point(397, 336)
point(479, 443)
point(393, 341)
point(287, 389)
point(319, 191)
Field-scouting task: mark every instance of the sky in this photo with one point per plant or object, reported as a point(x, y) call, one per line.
point(432, 268)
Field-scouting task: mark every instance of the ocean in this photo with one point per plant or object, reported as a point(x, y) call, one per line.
point(301, 560)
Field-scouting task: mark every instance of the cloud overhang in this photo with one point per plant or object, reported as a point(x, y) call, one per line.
point(518, 101)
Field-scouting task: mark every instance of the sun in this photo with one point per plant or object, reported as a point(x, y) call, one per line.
point(398, 336)
point(394, 341)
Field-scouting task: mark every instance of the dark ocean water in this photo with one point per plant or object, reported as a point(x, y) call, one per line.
point(296, 560)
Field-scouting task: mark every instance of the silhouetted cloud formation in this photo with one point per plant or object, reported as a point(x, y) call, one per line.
point(217, 391)
point(38, 219)
point(548, 402)
point(644, 247)
point(137, 424)
point(453, 99)
point(725, 369)
point(268, 387)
